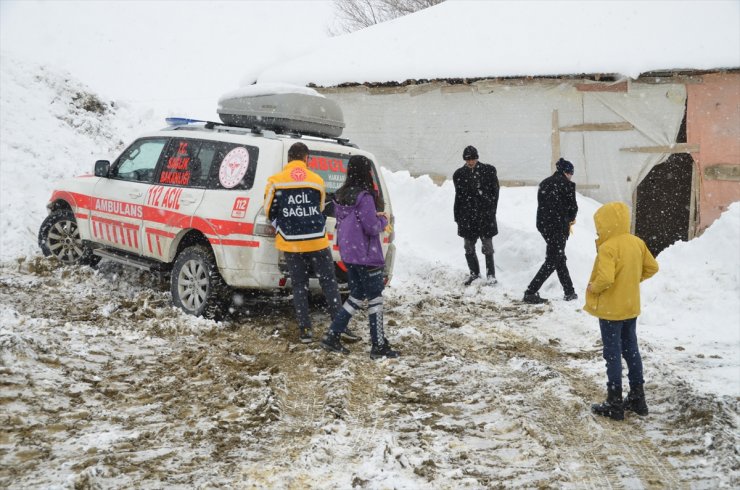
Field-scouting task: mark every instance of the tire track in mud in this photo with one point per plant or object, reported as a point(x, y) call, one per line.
point(470, 404)
point(217, 397)
point(551, 401)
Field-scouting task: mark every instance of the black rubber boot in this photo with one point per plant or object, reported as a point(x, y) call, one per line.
point(490, 269)
point(474, 268)
point(612, 407)
point(332, 343)
point(635, 401)
point(385, 351)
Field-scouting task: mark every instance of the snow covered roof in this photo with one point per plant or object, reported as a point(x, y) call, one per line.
point(478, 39)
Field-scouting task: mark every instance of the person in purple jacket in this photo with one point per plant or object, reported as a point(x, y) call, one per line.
point(359, 226)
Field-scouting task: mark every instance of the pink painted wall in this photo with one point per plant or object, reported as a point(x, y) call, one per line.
point(713, 122)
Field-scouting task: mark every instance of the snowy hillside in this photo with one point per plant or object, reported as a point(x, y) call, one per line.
point(106, 385)
point(52, 126)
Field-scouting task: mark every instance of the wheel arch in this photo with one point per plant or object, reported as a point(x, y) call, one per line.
point(189, 237)
point(59, 202)
point(75, 201)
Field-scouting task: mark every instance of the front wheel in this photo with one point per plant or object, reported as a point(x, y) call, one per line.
point(196, 284)
point(59, 236)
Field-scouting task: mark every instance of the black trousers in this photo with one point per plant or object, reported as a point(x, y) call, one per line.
point(555, 260)
point(299, 267)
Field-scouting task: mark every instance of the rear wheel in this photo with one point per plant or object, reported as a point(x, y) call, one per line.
point(59, 236)
point(196, 284)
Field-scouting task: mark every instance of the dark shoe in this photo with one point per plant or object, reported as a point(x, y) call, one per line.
point(612, 407)
point(635, 401)
point(385, 351)
point(570, 296)
point(305, 336)
point(333, 344)
point(350, 336)
point(533, 299)
point(474, 268)
point(472, 277)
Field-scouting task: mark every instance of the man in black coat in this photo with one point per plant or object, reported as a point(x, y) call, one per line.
point(556, 211)
point(476, 199)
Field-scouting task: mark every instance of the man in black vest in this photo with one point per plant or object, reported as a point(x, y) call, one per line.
point(556, 211)
point(476, 200)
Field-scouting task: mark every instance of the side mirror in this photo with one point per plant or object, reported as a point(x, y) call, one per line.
point(102, 167)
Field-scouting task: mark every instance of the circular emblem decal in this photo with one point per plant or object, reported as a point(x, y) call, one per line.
point(298, 174)
point(233, 167)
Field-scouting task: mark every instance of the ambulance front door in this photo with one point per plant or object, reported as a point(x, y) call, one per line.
point(116, 217)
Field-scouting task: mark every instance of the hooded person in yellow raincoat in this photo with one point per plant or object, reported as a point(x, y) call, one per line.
point(613, 296)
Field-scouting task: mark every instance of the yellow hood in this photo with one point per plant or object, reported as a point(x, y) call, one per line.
point(622, 261)
point(611, 219)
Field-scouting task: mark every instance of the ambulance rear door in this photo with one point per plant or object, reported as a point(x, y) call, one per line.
point(176, 194)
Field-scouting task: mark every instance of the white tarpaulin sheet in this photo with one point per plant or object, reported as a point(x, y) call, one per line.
point(424, 129)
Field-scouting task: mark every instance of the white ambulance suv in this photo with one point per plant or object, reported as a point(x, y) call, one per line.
point(189, 199)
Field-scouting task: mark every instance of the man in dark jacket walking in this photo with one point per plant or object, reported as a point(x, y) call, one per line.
point(556, 211)
point(476, 200)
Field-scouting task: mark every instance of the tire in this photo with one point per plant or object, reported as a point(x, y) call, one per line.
point(196, 284)
point(59, 236)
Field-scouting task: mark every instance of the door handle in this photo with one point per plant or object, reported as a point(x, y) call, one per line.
point(187, 200)
point(135, 195)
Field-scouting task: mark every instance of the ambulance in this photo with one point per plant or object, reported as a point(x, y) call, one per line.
point(188, 199)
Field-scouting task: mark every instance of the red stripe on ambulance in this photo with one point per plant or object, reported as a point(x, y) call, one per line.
point(166, 217)
point(109, 229)
point(156, 233)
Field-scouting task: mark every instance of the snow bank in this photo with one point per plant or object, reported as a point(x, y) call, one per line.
point(427, 241)
point(690, 311)
point(51, 127)
point(692, 306)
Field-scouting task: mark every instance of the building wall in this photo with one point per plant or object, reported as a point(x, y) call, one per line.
point(713, 122)
point(424, 128)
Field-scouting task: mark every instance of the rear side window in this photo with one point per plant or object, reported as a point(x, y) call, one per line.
point(332, 167)
point(232, 166)
point(197, 163)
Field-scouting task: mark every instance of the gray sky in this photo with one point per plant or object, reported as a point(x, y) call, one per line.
point(162, 50)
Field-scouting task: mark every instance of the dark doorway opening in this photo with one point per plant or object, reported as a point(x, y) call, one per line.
point(663, 203)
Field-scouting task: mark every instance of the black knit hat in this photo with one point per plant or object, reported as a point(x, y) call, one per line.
point(470, 153)
point(564, 166)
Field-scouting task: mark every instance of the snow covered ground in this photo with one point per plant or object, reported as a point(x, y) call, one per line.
point(105, 385)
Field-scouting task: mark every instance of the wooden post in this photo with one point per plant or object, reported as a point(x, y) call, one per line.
point(615, 126)
point(674, 148)
point(695, 183)
point(555, 140)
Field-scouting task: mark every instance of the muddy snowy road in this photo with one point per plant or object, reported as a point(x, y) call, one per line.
point(104, 385)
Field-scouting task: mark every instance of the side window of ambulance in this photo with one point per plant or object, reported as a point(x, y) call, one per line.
point(138, 161)
point(181, 164)
point(332, 167)
point(233, 166)
point(206, 156)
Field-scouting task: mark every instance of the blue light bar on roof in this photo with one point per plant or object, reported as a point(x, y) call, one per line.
point(182, 121)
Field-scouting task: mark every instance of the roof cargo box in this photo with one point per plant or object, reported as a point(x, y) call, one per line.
point(305, 112)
